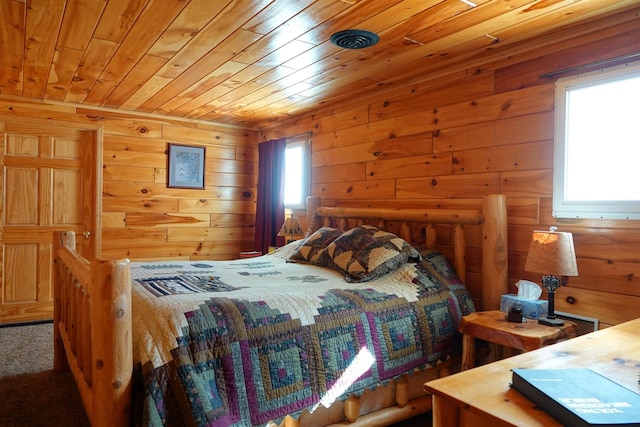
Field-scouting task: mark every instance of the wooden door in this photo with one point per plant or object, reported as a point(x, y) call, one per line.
point(49, 181)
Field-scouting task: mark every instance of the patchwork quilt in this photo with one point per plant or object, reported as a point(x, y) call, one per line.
point(243, 342)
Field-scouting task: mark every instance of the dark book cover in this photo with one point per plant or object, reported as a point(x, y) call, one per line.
point(579, 396)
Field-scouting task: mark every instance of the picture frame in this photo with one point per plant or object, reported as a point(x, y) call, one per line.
point(186, 166)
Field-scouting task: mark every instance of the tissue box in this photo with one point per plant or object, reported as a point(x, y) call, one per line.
point(531, 308)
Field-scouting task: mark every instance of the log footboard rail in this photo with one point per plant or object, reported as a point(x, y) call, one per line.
point(94, 293)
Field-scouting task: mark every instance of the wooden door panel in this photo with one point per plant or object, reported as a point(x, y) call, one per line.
point(67, 203)
point(21, 196)
point(21, 262)
point(22, 145)
point(47, 187)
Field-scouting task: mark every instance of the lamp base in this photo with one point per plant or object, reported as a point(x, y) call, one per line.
point(550, 322)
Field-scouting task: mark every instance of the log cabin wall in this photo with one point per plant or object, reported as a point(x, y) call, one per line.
point(142, 218)
point(476, 130)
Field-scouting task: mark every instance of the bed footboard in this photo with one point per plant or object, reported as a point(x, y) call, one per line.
point(92, 330)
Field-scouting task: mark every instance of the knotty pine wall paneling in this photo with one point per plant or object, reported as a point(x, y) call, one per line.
point(483, 128)
point(142, 218)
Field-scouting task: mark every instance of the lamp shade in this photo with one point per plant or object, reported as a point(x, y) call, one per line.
point(552, 252)
point(291, 227)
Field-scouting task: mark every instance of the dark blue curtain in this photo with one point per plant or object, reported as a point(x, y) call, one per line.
point(270, 204)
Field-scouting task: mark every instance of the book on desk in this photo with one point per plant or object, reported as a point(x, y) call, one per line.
point(579, 396)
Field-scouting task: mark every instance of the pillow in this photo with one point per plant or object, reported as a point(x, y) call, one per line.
point(311, 250)
point(440, 266)
point(365, 253)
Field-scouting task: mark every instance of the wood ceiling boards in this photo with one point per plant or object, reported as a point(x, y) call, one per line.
point(253, 62)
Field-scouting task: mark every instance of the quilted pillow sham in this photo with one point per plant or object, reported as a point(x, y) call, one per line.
point(439, 265)
point(312, 249)
point(365, 253)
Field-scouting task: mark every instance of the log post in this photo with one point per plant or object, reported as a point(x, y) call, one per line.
point(459, 252)
point(405, 231)
point(494, 250)
point(112, 347)
point(313, 221)
point(402, 392)
point(60, 239)
point(289, 421)
point(431, 236)
point(352, 408)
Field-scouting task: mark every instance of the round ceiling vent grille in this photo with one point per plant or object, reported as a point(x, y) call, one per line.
point(354, 39)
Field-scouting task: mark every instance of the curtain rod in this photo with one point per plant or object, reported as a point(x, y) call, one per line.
point(300, 134)
point(593, 64)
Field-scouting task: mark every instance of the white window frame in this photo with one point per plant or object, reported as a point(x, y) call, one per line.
point(605, 209)
point(303, 142)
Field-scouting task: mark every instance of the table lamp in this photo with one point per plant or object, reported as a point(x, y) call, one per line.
point(291, 229)
point(551, 253)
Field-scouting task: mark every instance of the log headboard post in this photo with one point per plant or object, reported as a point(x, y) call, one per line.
point(313, 221)
point(494, 250)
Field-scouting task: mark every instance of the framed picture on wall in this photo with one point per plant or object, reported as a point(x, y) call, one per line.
point(186, 166)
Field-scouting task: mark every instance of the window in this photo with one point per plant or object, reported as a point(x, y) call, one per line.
point(297, 172)
point(597, 145)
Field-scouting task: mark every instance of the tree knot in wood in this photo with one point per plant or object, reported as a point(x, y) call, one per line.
point(119, 313)
point(246, 194)
point(434, 182)
point(117, 384)
point(473, 104)
point(143, 130)
point(385, 104)
point(436, 133)
point(144, 191)
point(99, 364)
point(378, 153)
point(506, 106)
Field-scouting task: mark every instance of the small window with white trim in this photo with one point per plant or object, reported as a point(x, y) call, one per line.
point(597, 145)
point(297, 171)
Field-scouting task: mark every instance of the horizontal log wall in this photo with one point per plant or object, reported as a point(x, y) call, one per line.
point(141, 217)
point(483, 129)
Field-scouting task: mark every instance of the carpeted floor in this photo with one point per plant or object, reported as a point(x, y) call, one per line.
point(31, 393)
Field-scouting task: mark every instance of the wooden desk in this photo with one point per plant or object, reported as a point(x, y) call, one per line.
point(492, 326)
point(482, 397)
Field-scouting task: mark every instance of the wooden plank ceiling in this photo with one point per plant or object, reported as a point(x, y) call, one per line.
point(253, 62)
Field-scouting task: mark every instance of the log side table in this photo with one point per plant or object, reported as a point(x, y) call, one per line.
point(492, 326)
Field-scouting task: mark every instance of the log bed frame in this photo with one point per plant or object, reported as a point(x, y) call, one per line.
point(92, 315)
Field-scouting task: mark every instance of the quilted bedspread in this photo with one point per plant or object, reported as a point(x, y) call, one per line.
point(239, 343)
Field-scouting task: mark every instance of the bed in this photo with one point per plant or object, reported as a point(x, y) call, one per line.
point(268, 341)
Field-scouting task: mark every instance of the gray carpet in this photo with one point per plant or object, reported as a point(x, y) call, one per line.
point(31, 393)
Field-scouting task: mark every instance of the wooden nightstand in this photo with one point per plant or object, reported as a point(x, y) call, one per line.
point(492, 326)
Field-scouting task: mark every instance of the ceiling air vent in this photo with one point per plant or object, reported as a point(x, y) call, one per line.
point(354, 39)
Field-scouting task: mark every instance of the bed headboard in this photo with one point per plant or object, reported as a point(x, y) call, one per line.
point(492, 218)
